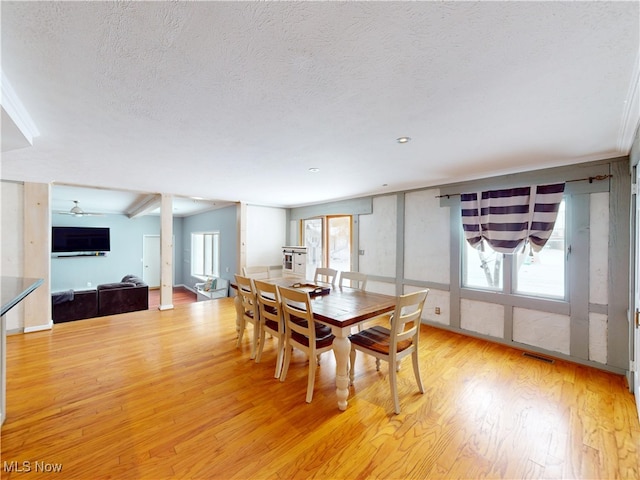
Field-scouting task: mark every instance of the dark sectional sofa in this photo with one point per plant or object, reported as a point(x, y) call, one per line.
point(128, 295)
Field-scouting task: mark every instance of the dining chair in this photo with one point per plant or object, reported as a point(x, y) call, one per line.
point(303, 333)
point(271, 320)
point(256, 272)
point(391, 345)
point(327, 275)
point(356, 280)
point(250, 312)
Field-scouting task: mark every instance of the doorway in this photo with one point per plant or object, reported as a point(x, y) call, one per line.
point(328, 242)
point(151, 260)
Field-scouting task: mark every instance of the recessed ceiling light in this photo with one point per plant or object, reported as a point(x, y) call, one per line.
point(314, 169)
point(403, 139)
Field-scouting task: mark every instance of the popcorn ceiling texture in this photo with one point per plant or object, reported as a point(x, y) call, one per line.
point(205, 98)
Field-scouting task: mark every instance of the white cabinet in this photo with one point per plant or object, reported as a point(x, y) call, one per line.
point(294, 261)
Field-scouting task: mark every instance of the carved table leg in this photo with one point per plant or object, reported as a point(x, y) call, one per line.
point(341, 349)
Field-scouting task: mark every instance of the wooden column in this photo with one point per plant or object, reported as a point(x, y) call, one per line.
point(37, 255)
point(166, 252)
point(241, 215)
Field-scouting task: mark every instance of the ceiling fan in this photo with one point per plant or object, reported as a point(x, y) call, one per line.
point(76, 211)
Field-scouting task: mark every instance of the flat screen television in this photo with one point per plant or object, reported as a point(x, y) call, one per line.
point(80, 239)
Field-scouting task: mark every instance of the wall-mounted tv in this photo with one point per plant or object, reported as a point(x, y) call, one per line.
point(80, 239)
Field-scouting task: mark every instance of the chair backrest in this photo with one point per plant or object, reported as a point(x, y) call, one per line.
point(247, 295)
point(356, 279)
point(405, 322)
point(298, 314)
point(269, 304)
point(327, 275)
point(257, 272)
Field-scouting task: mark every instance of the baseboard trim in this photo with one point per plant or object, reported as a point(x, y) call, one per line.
point(165, 307)
point(39, 328)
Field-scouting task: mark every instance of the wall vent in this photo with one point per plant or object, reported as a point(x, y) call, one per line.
point(537, 357)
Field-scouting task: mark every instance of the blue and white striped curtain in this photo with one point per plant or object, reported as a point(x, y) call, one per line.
point(508, 219)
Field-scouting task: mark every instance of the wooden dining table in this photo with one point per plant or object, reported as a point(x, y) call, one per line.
point(341, 309)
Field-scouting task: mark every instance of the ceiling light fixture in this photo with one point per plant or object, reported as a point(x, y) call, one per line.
point(314, 169)
point(403, 139)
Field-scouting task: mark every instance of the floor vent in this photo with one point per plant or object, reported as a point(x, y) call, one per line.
point(537, 357)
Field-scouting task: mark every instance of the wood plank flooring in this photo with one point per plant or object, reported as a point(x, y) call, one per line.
point(181, 295)
point(165, 394)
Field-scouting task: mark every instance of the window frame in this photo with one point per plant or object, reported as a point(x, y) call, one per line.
point(215, 255)
point(509, 268)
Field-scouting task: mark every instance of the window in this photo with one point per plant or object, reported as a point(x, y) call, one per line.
point(539, 274)
point(543, 273)
point(482, 269)
point(205, 254)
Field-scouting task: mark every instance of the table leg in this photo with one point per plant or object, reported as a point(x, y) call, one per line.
point(341, 349)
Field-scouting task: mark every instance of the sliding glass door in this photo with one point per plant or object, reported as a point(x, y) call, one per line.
point(328, 242)
point(313, 234)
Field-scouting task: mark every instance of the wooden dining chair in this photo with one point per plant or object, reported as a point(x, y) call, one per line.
point(356, 280)
point(256, 272)
point(271, 320)
point(250, 312)
point(303, 333)
point(391, 345)
point(327, 275)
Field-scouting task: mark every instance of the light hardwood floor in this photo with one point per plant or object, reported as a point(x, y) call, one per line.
point(180, 295)
point(158, 395)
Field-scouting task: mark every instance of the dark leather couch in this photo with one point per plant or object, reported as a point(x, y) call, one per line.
point(72, 305)
point(129, 295)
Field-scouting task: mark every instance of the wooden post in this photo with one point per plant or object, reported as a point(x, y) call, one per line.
point(166, 252)
point(37, 255)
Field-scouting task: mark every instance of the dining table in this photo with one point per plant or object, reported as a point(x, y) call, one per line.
point(340, 308)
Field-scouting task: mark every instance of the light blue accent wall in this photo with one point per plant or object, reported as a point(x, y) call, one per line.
point(124, 258)
point(223, 220)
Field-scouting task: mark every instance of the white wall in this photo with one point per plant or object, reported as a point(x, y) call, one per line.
point(427, 239)
point(266, 235)
point(11, 243)
point(378, 238)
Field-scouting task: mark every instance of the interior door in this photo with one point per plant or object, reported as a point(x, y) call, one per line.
point(151, 260)
point(636, 303)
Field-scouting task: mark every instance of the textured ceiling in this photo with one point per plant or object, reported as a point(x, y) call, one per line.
point(236, 101)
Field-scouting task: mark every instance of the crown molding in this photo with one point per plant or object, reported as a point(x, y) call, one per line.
point(631, 114)
point(16, 113)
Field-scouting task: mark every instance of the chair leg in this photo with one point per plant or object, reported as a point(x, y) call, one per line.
point(416, 371)
point(256, 339)
point(377, 364)
point(393, 381)
point(280, 358)
point(260, 345)
point(287, 359)
point(311, 381)
point(241, 328)
point(352, 364)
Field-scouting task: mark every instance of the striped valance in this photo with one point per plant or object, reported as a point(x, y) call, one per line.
point(508, 219)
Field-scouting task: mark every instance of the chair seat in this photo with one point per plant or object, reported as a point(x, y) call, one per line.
point(378, 339)
point(321, 342)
